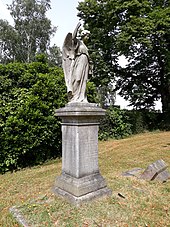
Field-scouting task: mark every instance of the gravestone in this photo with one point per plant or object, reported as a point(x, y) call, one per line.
point(156, 171)
point(80, 180)
point(163, 176)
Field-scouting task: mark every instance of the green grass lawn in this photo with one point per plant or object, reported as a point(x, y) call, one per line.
point(145, 203)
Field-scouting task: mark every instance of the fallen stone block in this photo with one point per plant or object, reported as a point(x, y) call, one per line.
point(163, 176)
point(154, 170)
point(133, 172)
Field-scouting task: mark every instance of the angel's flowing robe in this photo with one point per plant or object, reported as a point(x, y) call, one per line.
point(79, 74)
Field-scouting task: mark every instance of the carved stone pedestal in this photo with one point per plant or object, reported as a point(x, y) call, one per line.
point(80, 180)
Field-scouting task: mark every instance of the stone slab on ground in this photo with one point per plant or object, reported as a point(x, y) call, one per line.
point(133, 172)
point(153, 170)
point(163, 176)
point(18, 216)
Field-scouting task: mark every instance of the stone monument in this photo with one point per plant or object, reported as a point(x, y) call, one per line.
point(80, 180)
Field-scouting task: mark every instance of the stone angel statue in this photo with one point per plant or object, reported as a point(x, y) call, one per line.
point(76, 65)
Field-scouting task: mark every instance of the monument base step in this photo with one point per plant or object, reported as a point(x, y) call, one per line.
point(80, 186)
point(77, 201)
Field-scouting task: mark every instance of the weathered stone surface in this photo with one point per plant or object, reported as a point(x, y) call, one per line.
point(76, 64)
point(78, 200)
point(153, 170)
point(80, 124)
point(79, 110)
point(80, 172)
point(80, 186)
point(19, 217)
point(133, 172)
point(163, 176)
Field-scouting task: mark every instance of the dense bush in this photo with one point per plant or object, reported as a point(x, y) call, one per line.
point(29, 94)
point(119, 123)
point(29, 132)
point(144, 120)
point(115, 124)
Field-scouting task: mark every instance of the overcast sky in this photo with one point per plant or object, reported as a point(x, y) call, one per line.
point(63, 15)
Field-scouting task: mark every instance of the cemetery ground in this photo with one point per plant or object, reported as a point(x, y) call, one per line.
point(134, 202)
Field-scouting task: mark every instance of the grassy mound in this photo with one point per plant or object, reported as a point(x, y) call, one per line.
point(145, 203)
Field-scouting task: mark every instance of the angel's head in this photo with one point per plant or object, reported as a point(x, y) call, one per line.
point(85, 35)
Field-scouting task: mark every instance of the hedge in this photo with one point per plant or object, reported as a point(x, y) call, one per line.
point(119, 123)
point(29, 132)
point(29, 95)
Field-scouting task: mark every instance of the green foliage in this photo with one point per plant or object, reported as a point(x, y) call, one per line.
point(54, 56)
point(30, 34)
point(8, 37)
point(29, 132)
point(101, 46)
point(91, 90)
point(144, 120)
point(140, 30)
point(119, 123)
point(29, 95)
point(115, 124)
point(146, 77)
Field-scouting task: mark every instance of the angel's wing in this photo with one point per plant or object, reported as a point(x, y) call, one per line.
point(68, 55)
point(66, 52)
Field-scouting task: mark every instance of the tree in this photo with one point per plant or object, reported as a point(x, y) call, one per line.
point(31, 33)
point(101, 44)
point(145, 37)
point(140, 30)
point(8, 42)
point(54, 56)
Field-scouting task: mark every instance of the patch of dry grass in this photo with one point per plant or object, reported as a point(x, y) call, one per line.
point(145, 203)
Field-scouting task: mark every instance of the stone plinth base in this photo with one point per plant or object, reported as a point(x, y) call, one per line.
point(80, 179)
point(84, 198)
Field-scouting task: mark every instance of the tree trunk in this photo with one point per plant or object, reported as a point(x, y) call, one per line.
point(165, 90)
point(165, 98)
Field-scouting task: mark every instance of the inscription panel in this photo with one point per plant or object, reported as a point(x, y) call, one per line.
point(79, 150)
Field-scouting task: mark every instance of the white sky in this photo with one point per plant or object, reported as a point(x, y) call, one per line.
point(63, 15)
